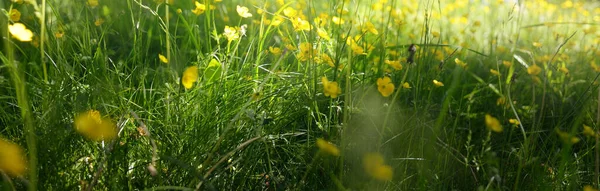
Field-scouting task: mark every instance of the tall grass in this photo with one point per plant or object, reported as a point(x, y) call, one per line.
point(261, 101)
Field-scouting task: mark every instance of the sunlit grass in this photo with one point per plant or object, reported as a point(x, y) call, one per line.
point(270, 95)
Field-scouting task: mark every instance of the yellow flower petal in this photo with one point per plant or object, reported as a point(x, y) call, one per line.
point(163, 59)
point(534, 70)
point(493, 124)
point(438, 83)
point(20, 32)
point(327, 147)
point(385, 86)
point(190, 76)
point(243, 11)
point(91, 125)
point(12, 158)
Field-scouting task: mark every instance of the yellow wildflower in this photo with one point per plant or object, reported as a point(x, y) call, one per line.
point(277, 20)
point(20, 32)
point(438, 83)
point(275, 50)
point(493, 124)
point(385, 86)
point(395, 64)
point(566, 137)
point(290, 12)
point(190, 76)
point(406, 85)
point(12, 159)
point(337, 20)
point(514, 122)
point(375, 167)
point(588, 131)
point(231, 33)
point(494, 72)
point(537, 44)
point(98, 22)
point(564, 70)
point(59, 34)
point(369, 27)
point(17, 1)
point(243, 11)
point(330, 89)
point(323, 34)
point(501, 100)
point(300, 24)
point(14, 15)
point(460, 63)
point(327, 147)
point(507, 64)
point(91, 125)
point(534, 70)
point(589, 188)
point(200, 8)
point(92, 3)
point(163, 59)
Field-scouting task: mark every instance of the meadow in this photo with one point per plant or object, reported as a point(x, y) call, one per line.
point(299, 95)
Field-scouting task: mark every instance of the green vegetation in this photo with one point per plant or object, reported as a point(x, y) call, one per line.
point(299, 95)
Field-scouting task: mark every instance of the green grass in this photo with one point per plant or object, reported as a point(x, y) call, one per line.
point(251, 121)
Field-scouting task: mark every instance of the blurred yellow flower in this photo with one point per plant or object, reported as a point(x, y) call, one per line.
point(243, 11)
point(395, 64)
point(190, 76)
point(493, 124)
point(163, 59)
point(18, 1)
point(200, 8)
point(537, 44)
point(290, 12)
point(507, 64)
point(14, 15)
point(99, 22)
point(330, 89)
point(369, 27)
point(277, 20)
point(501, 100)
point(589, 188)
point(406, 85)
point(514, 122)
point(327, 147)
point(59, 34)
point(588, 131)
point(494, 72)
point(93, 126)
point(92, 3)
point(534, 70)
point(337, 20)
point(460, 63)
point(323, 34)
point(438, 83)
point(375, 167)
point(564, 70)
point(566, 137)
point(275, 50)
point(20, 32)
point(385, 86)
point(231, 33)
point(12, 159)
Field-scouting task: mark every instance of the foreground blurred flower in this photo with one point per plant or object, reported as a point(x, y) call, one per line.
point(231, 33)
point(534, 70)
point(163, 59)
point(200, 8)
point(493, 124)
point(375, 167)
point(589, 188)
point(327, 147)
point(385, 86)
point(14, 15)
point(330, 89)
point(91, 125)
point(438, 83)
point(190, 76)
point(243, 11)
point(12, 160)
point(20, 32)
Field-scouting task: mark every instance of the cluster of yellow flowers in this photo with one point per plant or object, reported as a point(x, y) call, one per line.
point(330, 89)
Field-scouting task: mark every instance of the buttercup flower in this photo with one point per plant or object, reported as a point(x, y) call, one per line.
point(460, 63)
point(493, 124)
point(327, 147)
point(438, 83)
point(375, 167)
point(534, 70)
point(163, 59)
point(275, 50)
point(395, 64)
point(200, 8)
point(91, 125)
point(190, 76)
point(12, 159)
point(385, 86)
point(20, 32)
point(92, 3)
point(330, 89)
point(406, 85)
point(588, 131)
point(243, 11)
point(231, 33)
point(14, 15)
